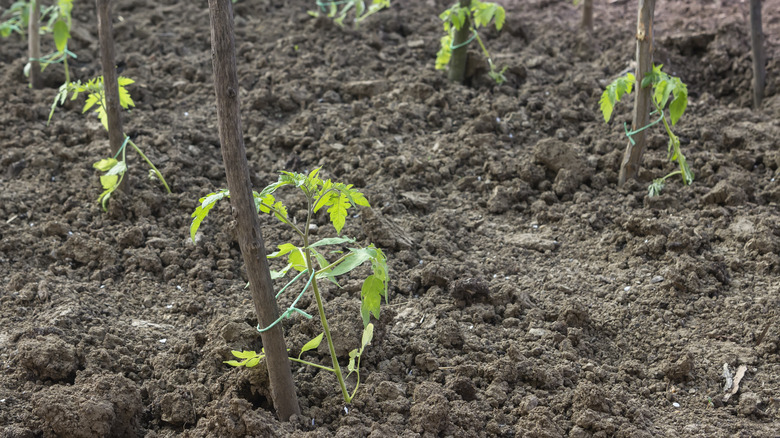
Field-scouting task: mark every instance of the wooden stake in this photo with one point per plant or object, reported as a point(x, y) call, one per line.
point(250, 239)
point(587, 16)
point(759, 63)
point(34, 44)
point(457, 72)
point(632, 157)
point(116, 136)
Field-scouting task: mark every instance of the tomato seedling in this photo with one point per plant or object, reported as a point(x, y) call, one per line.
point(16, 19)
point(311, 264)
point(331, 9)
point(471, 17)
point(114, 169)
point(664, 87)
point(59, 24)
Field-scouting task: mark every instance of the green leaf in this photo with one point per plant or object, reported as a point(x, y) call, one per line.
point(356, 258)
point(368, 335)
point(206, 204)
point(484, 14)
point(108, 181)
point(284, 248)
point(61, 35)
point(338, 211)
point(105, 164)
point(679, 104)
point(353, 355)
point(234, 363)
point(279, 274)
point(445, 53)
point(298, 260)
point(311, 345)
point(500, 18)
point(371, 294)
point(332, 241)
point(124, 96)
point(253, 361)
point(117, 169)
point(243, 354)
point(614, 92)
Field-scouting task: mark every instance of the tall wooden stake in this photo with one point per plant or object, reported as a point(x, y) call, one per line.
point(457, 72)
point(632, 157)
point(116, 136)
point(587, 16)
point(34, 44)
point(759, 64)
point(250, 239)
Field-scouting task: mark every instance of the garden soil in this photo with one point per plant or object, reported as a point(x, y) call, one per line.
point(529, 295)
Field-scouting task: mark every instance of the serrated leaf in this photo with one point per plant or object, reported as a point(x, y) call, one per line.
point(206, 204)
point(500, 18)
point(338, 211)
point(445, 53)
point(371, 297)
point(243, 354)
point(324, 200)
point(253, 361)
point(484, 14)
point(92, 99)
point(614, 92)
point(311, 345)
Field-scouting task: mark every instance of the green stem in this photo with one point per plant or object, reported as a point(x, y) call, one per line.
point(321, 310)
point(157, 172)
point(67, 71)
point(315, 365)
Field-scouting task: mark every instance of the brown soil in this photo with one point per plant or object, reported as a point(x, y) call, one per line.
point(530, 297)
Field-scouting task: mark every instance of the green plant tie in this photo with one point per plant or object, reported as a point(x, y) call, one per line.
point(467, 42)
point(292, 309)
point(127, 139)
point(630, 133)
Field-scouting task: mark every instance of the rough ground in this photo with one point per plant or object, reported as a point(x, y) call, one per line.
point(530, 297)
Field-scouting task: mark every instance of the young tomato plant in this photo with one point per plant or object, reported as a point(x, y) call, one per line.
point(16, 19)
point(59, 24)
point(331, 9)
point(113, 167)
point(667, 91)
point(310, 263)
point(472, 17)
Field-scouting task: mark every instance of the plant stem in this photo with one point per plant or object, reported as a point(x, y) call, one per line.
point(67, 71)
point(323, 319)
point(157, 172)
point(305, 362)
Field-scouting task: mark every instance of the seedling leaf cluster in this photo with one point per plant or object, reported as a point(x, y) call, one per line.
point(477, 14)
point(113, 167)
point(668, 92)
point(311, 263)
point(331, 9)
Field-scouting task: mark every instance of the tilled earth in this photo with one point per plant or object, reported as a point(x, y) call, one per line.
point(530, 296)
